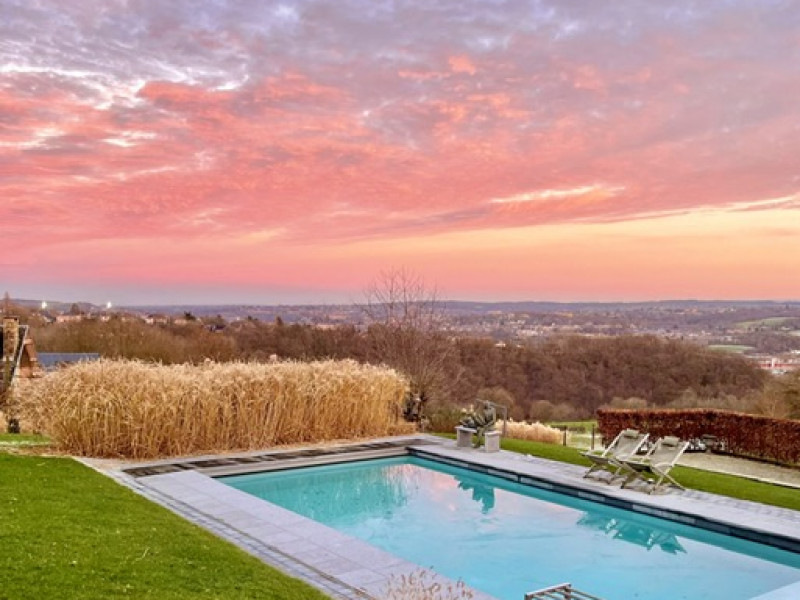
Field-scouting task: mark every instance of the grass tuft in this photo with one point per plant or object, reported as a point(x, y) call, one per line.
point(424, 585)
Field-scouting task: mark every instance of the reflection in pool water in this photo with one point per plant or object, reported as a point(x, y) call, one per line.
point(480, 492)
point(623, 529)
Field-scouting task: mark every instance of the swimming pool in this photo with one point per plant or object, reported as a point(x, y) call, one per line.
point(507, 539)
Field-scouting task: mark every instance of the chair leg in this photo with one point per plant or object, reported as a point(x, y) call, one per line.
point(633, 476)
point(673, 482)
point(662, 478)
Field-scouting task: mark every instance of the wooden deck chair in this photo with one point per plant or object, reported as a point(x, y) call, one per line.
point(625, 445)
point(654, 467)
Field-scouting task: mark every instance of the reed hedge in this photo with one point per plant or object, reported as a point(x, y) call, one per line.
point(132, 409)
point(742, 434)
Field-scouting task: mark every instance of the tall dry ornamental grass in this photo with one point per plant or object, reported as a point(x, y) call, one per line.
point(119, 408)
point(533, 432)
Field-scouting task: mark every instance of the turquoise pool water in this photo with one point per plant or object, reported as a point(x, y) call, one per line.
point(507, 539)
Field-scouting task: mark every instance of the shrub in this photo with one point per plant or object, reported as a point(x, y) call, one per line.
point(541, 410)
point(443, 418)
point(140, 410)
point(742, 434)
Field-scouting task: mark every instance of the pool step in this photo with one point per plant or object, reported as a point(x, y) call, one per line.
point(562, 591)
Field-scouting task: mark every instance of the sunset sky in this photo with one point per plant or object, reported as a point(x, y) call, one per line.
point(287, 152)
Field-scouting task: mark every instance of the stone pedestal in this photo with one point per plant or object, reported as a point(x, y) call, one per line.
point(492, 441)
point(464, 436)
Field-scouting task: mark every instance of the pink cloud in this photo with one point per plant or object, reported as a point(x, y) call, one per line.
point(462, 64)
point(313, 126)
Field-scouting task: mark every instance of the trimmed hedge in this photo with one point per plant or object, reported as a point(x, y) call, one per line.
point(743, 434)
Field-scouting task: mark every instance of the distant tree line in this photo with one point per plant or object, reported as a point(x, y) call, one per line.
point(574, 376)
point(565, 377)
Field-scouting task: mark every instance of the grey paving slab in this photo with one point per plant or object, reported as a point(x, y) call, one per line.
point(337, 565)
point(277, 539)
point(360, 577)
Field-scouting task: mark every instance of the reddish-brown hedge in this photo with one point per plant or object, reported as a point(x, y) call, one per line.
point(742, 434)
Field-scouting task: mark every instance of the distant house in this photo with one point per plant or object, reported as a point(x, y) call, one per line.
point(156, 319)
point(50, 361)
point(69, 318)
point(777, 365)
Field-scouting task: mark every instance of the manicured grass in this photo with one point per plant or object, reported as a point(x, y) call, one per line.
point(552, 451)
point(737, 487)
point(69, 532)
point(696, 479)
point(23, 439)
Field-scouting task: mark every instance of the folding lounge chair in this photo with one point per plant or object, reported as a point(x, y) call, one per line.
point(625, 445)
point(653, 468)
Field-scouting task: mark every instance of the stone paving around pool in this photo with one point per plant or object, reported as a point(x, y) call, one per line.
point(347, 568)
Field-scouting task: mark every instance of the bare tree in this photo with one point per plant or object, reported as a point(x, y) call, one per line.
point(400, 298)
point(405, 329)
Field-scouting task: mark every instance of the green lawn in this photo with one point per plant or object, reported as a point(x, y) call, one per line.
point(557, 452)
point(69, 532)
point(23, 439)
point(715, 483)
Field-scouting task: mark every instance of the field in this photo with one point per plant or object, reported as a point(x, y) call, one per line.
point(732, 348)
point(769, 322)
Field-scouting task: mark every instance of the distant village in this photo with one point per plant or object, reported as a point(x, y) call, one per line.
point(767, 332)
